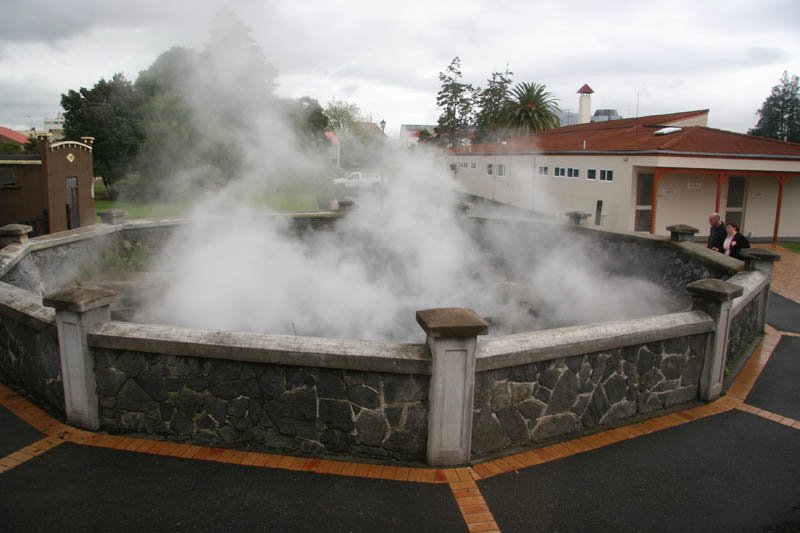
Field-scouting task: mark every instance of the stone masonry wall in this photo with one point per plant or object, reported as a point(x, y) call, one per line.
point(263, 406)
point(535, 402)
point(743, 329)
point(29, 357)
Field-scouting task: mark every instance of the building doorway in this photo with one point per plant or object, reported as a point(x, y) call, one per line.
point(73, 218)
point(734, 208)
point(644, 202)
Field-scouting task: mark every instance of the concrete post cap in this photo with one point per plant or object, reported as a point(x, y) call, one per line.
point(760, 254)
point(452, 322)
point(682, 229)
point(714, 289)
point(14, 230)
point(79, 299)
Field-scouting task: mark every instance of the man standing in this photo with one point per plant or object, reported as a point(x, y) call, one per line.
point(717, 234)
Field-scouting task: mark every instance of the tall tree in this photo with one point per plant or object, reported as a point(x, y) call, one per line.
point(779, 116)
point(309, 120)
point(455, 101)
point(169, 133)
point(530, 109)
point(343, 116)
point(492, 101)
point(111, 111)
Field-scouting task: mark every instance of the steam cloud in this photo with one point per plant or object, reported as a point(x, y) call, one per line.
point(237, 267)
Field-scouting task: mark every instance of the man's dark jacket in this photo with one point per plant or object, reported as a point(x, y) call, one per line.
point(716, 237)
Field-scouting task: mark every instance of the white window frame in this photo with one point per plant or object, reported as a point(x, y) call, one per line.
point(501, 169)
point(489, 169)
point(591, 174)
point(542, 171)
point(606, 175)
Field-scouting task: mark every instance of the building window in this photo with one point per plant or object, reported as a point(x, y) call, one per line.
point(8, 177)
point(568, 172)
point(591, 174)
point(489, 169)
point(543, 171)
point(501, 170)
point(472, 165)
point(606, 175)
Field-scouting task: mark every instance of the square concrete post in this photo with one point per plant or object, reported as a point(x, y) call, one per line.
point(714, 297)
point(761, 260)
point(77, 311)
point(452, 335)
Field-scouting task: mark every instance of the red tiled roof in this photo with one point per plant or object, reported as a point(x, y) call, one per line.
point(9, 135)
point(585, 89)
point(639, 136)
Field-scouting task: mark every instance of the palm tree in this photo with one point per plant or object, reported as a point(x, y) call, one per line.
point(530, 109)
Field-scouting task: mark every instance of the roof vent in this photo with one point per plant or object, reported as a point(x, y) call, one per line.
point(667, 131)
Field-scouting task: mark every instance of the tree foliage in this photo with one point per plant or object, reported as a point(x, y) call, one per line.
point(491, 113)
point(779, 116)
point(492, 102)
point(111, 112)
point(530, 109)
point(343, 116)
point(9, 148)
point(190, 120)
point(455, 101)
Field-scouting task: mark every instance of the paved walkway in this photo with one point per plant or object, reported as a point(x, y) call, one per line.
point(733, 465)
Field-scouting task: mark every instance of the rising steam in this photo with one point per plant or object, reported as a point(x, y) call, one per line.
point(405, 248)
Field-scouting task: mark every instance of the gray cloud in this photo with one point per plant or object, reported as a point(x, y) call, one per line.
point(360, 49)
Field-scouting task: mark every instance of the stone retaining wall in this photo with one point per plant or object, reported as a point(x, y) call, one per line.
point(263, 406)
point(29, 355)
point(315, 396)
point(536, 402)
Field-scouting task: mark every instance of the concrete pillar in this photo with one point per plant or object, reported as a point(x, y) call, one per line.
point(452, 335)
point(77, 311)
point(714, 297)
point(758, 259)
point(14, 234)
point(681, 232)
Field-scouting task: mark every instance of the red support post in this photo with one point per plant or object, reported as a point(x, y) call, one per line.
point(781, 183)
point(656, 179)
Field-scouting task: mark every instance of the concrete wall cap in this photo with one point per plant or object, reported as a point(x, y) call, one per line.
point(452, 322)
point(714, 289)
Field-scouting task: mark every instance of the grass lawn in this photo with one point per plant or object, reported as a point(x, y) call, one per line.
point(792, 246)
point(283, 202)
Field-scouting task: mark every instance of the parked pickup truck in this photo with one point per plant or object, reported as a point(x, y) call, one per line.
point(361, 180)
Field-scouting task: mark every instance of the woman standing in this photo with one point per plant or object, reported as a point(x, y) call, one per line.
point(735, 241)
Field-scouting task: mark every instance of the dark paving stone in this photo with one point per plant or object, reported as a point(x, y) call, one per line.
point(80, 488)
point(730, 472)
point(777, 388)
point(783, 314)
point(14, 433)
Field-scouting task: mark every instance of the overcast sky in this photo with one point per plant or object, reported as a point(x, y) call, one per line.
point(639, 57)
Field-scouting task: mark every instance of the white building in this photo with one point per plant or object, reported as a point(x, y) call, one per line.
point(643, 174)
